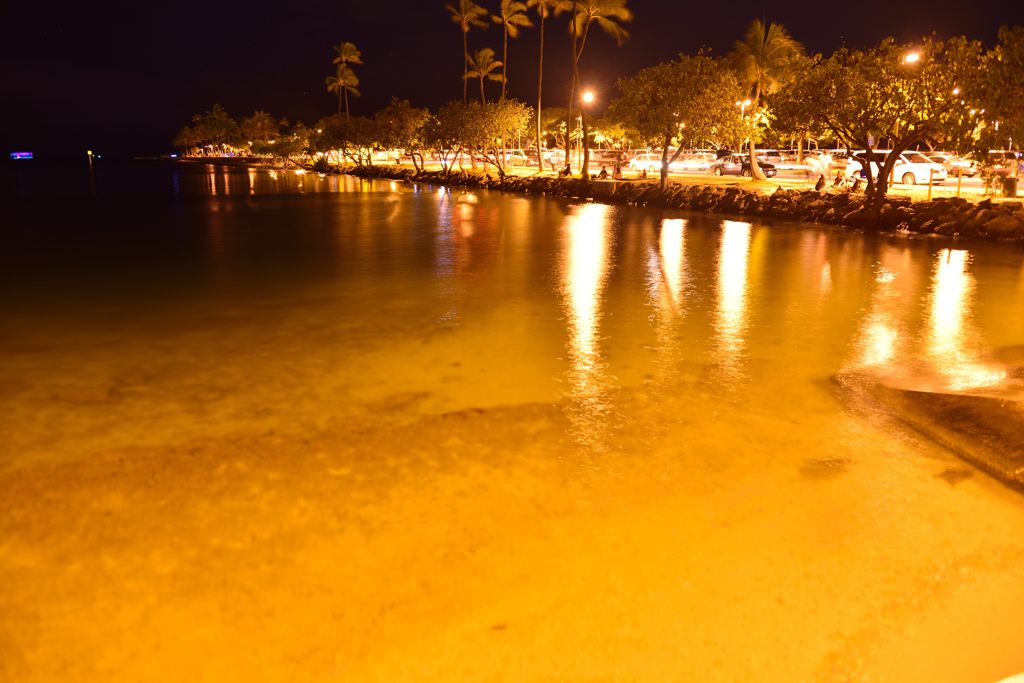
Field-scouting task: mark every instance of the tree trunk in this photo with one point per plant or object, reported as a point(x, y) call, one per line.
point(585, 170)
point(800, 149)
point(664, 161)
point(504, 65)
point(465, 67)
point(339, 100)
point(540, 93)
point(344, 89)
point(572, 88)
point(483, 99)
point(755, 170)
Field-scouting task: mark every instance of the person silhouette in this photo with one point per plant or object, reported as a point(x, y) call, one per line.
point(820, 185)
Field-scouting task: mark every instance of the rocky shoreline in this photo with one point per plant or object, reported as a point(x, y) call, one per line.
point(948, 216)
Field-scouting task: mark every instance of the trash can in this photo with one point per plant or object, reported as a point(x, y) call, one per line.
point(1009, 187)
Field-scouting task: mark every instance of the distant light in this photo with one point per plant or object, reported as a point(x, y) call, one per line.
point(588, 97)
point(956, 91)
point(912, 58)
point(21, 155)
point(319, 130)
point(746, 103)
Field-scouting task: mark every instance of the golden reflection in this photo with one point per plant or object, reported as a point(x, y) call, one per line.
point(671, 248)
point(584, 275)
point(252, 180)
point(733, 285)
point(879, 335)
point(211, 180)
point(952, 296)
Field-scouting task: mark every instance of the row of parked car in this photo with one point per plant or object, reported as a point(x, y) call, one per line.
point(911, 168)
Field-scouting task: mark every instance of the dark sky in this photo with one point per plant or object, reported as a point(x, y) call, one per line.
point(122, 77)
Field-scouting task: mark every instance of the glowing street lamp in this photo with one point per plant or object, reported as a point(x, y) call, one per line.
point(743, 106)
point(912, 58)
point(588, 97)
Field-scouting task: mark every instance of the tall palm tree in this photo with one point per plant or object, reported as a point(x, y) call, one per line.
point(608, 15)
point(343, 82)
point(483, 65)
point(512, 16)
point(545, 9)
point(766, 58)
point(467, 14)
point(344, 54)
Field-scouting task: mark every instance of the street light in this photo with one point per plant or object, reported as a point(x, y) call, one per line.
point(912, 58)
point(587, 97)
point(743, 106)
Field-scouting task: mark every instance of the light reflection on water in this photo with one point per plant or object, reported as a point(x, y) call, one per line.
point(952, 340)
point(584, 274)
point(731, 319)
point(433, 345)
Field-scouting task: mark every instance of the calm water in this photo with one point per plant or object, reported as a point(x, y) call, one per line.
point(568, 441)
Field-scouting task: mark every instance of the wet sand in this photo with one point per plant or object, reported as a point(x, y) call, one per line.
point(489, 545)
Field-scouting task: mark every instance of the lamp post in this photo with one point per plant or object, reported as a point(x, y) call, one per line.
point(587, 98)
point(743, 112)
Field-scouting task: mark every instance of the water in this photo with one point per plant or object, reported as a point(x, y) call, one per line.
point(258, 424)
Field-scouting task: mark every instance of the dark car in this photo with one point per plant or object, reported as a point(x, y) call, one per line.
point(735, 164)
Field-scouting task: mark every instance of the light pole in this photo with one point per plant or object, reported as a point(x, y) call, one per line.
point(583, 157)
point(743, 112)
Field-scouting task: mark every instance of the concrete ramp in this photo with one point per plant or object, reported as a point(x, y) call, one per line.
point(985, 429)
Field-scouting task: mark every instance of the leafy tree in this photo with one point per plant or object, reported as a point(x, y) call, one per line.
point(1004, 88)
point(443, 133)
point(260, 127)
point(484, 66)
point(467, 14)
point(793, 114)
point(512, 16)
point(488, 124)
point(608, 15)
point(343, 82)
point(865, 96)
point(545, 9)
point(765, 59)
point(400, 126)
point(215, 128)
point(691, 93)
point(344, 54)
point(188, 141)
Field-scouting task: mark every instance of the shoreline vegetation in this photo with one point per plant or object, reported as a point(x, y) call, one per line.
point(945, 216)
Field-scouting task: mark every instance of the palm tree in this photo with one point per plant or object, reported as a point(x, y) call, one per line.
point(467, 14)
point(765, 59)
point(484, 65)
point(343, 82)
point(606, 14)
point(347, 53)
point(512, 16)
point(545, 8)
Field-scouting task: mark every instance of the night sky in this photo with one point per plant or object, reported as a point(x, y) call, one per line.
point(122, 77)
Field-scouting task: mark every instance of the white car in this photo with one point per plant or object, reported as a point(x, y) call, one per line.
point(954, 165)
point(700, 161)
point(912, 168)
point(651, 162)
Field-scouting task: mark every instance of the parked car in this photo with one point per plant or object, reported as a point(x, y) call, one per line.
point(700, 161)
point(1002, 162)
point(739, 164)
point(646, 161)
point(912, 168)
point(518, 157)
point(954, 165)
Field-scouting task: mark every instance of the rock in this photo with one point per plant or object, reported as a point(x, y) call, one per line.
point(1004, 226)
point(947, 228)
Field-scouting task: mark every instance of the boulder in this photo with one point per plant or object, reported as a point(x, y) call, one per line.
point(1004, 226)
